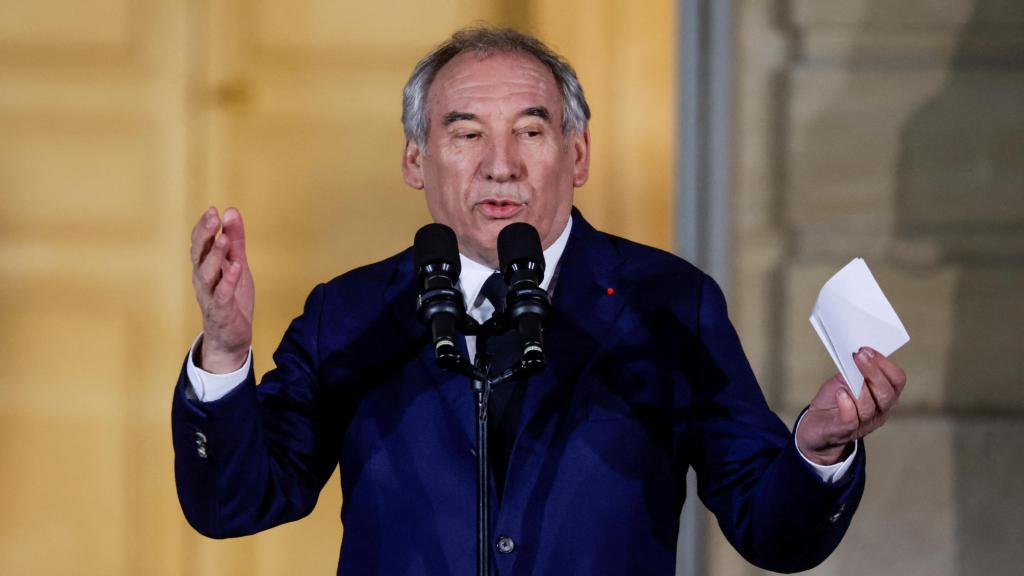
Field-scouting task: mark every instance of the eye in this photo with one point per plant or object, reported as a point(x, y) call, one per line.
point(469, 135)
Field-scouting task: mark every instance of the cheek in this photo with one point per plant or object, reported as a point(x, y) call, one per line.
point(445, 207)
point(440, 191)
point(454, 178)
point(553, 163)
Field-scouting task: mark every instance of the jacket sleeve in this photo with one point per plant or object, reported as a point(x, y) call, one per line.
point(259, 456)
point(770, 504)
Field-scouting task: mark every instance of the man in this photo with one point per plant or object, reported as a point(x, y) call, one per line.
point(645, 374)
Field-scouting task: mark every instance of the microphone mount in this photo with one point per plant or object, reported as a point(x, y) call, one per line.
point(440, 306)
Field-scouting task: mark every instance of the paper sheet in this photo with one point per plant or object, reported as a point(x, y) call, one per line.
point(852, 312)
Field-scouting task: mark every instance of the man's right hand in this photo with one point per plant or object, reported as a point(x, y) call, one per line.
point(224, 289)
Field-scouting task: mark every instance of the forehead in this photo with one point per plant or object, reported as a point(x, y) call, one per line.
point(471, 82)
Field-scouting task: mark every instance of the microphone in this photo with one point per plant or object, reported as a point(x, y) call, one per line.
point(521, 259)
point(439, 304)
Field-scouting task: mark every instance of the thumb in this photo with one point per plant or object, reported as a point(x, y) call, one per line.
point(234, 229)
point(847, 409)
point(225, 289)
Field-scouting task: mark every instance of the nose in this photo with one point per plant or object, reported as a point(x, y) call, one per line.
point(501, 162)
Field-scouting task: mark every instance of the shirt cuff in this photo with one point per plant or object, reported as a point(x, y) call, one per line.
point(207, 386)
point(833, 472)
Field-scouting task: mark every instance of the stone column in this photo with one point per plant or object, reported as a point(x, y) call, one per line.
point(894, 131)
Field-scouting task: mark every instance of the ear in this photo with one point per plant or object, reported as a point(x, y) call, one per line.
point(581, 157)
point(412, 165)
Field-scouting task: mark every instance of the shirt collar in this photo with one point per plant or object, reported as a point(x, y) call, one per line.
point(474, 274)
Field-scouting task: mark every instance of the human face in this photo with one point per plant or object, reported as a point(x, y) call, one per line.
point(495, 151)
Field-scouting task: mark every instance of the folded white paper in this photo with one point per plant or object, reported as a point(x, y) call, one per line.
point(852, 312)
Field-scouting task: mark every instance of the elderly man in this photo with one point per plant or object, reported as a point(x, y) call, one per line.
point(645, 375)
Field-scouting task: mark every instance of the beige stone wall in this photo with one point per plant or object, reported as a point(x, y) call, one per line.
point(894, 130)
point(121, 120)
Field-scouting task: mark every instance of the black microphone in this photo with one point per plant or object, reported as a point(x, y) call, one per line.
point(439, 305)
point(522, 265)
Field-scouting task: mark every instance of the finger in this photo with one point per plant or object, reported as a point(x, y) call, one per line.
point(883, 392)
point(234, 229)
point(866, 407)
point(200, 225)
point(893, 372)
point(225, 289)
point(202, 235)
point(209, 271)
point(876, 381)
point(846, 410)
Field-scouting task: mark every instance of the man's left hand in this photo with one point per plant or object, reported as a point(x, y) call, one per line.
point(836, 418)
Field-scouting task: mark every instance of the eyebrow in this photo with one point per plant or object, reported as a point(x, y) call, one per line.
point(453, 117)
point(539, 112)
point(535, 111)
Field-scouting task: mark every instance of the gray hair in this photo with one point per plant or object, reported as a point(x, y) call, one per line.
point(486, 40)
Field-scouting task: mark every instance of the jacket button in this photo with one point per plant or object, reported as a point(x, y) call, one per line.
point(506, 545)
point(839, 513)
point(200, 440)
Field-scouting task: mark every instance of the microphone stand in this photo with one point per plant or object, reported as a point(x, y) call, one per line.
point(440, 306)
point(481, 384)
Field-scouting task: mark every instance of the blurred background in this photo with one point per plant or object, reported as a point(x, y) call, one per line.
point(770, 141)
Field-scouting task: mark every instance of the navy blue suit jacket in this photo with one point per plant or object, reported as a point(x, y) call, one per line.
point(642, 382)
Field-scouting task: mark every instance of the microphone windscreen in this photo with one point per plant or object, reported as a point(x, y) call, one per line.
point(436, 243)
point(520, 241)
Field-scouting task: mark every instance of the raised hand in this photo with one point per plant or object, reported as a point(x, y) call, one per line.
point(224, 289)
point(836, 418)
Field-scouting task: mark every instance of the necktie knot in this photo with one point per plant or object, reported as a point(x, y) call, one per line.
point(503, 349)
point(494, 290)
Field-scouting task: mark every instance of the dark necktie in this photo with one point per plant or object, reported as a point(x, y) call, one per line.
point(506, 400)
point(503, 350)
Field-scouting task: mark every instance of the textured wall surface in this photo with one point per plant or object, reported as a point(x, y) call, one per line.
point(894, 131)
point(122, 120)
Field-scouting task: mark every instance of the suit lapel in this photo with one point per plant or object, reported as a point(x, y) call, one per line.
point(583, 312)
point(454, 390)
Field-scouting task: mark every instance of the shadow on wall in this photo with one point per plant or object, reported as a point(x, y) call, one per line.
point(960, 197)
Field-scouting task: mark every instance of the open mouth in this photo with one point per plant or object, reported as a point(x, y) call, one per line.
point(499, 209)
